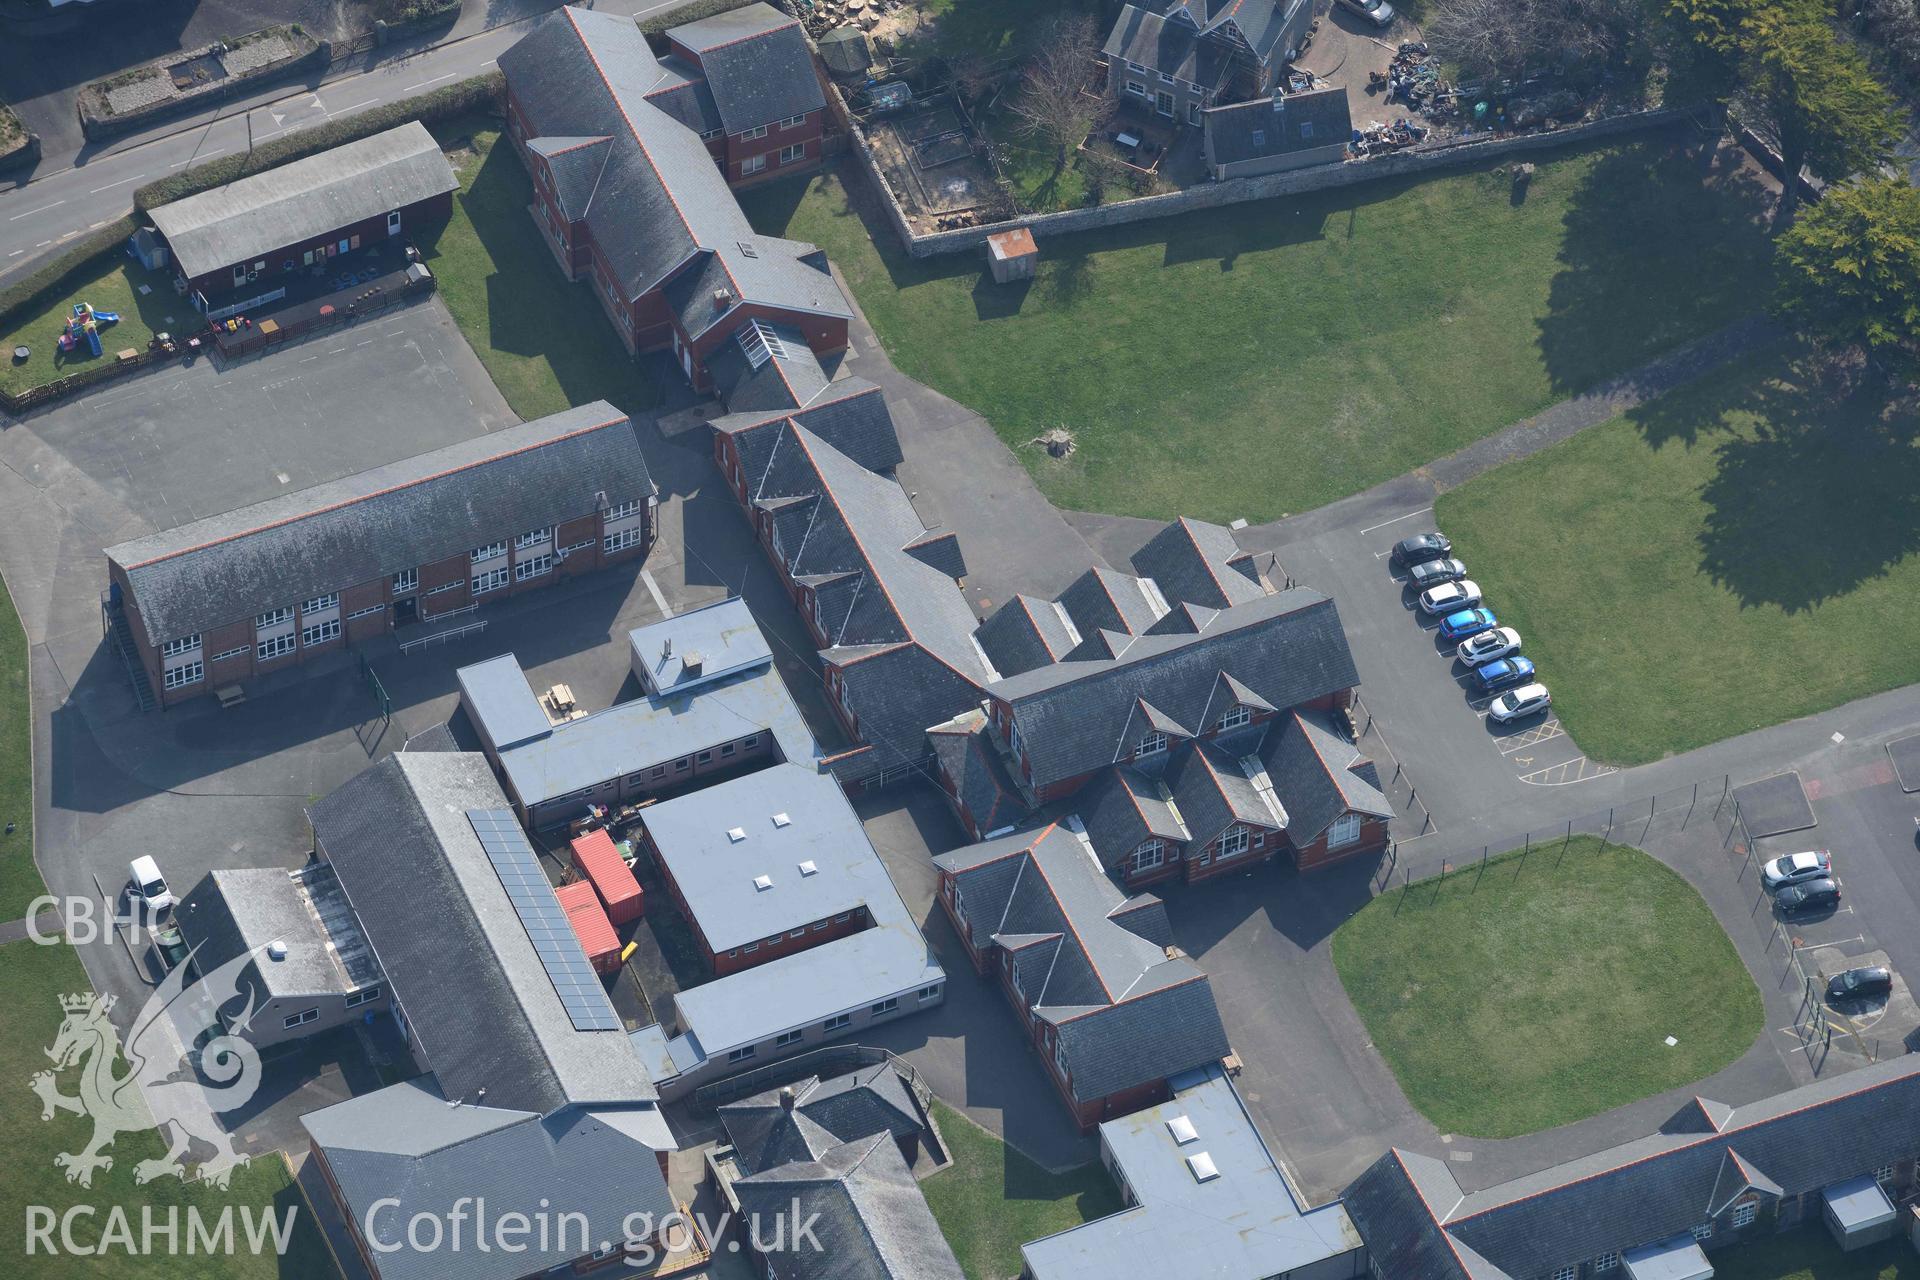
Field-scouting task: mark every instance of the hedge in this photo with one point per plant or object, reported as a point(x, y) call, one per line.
point(481, 93)
point(692, 11)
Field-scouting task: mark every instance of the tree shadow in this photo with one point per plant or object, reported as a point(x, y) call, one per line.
point(995, 301)
point(1817, 498)
point(1653, 254)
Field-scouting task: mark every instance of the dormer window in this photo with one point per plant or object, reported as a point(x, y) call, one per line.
point(1235, 717)
point(1151, 744)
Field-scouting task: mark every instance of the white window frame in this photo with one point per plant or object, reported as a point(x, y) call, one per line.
point(1744, 1214)
point(753, 164)
point(754, 134)
point(620, 540)
point(1150, 855)
point(1568, 1273)
point(1345, 830)
point(1703, 1232)
point(491, 580)
point(838, 1022)
point(533, 567)
point(191, 672)
point(320, 633)
point(1236, 716)
point(320, 604)
point(300, 1019)
point(620, 511)
point(405, 580)
point(1151, 744)
point(1607, 1261)
point(1137, 88)
point(533, 538)
point(794, 122)
point(491, 551)
point(930, 992)
point(786, 1038)
point(230, 654)
point(273, 618)
point(367, 612)
point(445, 587)
point(276, 646)
point(742, 1054)
point(708, 135)
point(182, 647)
point(885, 1006)
point(792, 153)
point(1234, 843)
point(365, 995)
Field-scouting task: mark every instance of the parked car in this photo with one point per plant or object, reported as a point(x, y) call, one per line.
point(1517, 704)
point(1434, 572)
point(1808, 895)
point(1378, 12)
point(1815, 864)
point(148, 887)
point(1865, 983)
point(1503, 672)
point(1488, 645)
point(1450, 597)
point(1467, 622)
point(1420, 548)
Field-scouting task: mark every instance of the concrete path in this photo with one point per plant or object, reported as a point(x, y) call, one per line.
point(47, 922)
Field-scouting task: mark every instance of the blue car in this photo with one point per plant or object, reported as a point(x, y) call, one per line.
point(1467, 622)
point(1504, 672)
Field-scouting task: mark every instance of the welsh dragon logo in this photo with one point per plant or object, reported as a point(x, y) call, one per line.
point(162, 1088)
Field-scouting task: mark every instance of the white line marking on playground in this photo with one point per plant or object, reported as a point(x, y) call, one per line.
point(653, 589)
point(1396, 520)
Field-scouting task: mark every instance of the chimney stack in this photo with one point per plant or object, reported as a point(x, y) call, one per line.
point(786, 1097)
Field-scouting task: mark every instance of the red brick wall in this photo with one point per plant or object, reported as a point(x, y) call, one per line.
point(369, 230)
point(1315, 855)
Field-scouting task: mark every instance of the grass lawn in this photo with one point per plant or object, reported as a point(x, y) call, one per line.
point(1769, 530)
point(1541, 992)
point(993, 1199)
point(1269, 357)
point(1029, 167)
point(545, 342)
point(19, 879)
point(113, 285)
point(32, 979)
point(989, 29)
point(1810, 1254)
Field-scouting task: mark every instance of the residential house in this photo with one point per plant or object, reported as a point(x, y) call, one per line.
point(1283, 131)
point(746, 79)
point(1204, 1199)
point(1180, 57)
point(235, 246)
point(627, 195)
point(1839, 1151)
point(224, 599)
point(1111, 1007)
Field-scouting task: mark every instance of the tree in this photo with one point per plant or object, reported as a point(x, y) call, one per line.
point(1850, 271)
point(1054, 104)
point(1815, 93)
point(1510, 38)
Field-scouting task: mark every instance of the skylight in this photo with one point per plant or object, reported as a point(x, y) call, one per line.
point(1202, 1166)
point(809, 868)
point(1182, 1130)
point(736, 834)
point(763, 883)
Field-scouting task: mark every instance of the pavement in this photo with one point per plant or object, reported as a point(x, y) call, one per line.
point(78, 186)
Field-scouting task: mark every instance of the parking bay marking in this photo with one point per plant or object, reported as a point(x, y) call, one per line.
point(1396, 520)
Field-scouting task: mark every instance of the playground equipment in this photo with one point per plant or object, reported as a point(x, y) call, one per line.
point(83, 328)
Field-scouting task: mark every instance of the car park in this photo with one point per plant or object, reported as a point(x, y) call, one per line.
point(1795, 868)
point(148, 887)
point(1450, 597)
point(1377, 12)
point(1434, 572)
point(1420, 548)
point(1808, 895)
point(1488, 645)
point(1467, 622)
point(1868, 982)
point(1503, 672)
point(1517, 704)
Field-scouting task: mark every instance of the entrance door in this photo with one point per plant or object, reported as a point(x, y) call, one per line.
point(406, 610)
point(1164, 101)
point(393, 223)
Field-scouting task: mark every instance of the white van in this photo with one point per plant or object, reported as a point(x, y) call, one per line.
point(148, 886)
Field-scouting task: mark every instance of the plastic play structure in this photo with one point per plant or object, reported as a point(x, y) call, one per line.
point(83, 328)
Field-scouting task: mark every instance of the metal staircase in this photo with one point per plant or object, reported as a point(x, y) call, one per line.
point(114, 619)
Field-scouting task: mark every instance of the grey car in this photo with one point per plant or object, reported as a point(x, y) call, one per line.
point(1378, 12)
point(1434, 572)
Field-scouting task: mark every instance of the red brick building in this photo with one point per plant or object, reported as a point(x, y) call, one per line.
point(746, 80)
point(231, 597)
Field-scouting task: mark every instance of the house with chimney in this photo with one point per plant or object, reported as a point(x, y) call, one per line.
point(1179, 57)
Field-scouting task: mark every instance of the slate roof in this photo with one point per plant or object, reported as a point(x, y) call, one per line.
point(1123, 808)
point(1215, 788)
point(850, 414)
point(479, 1001)
point(1199, 563)
point(767, 1132)
point(1025, 633)
point(872, 1221)
point(1277, 126)
point(576, 165)
point(757, 62)
point(304, 200)
point(406, 1143)
point(1285, 649)
point(1419, 1224)
point(1126, 1012)
point(1147, 39)
point(1260, 23)
point(1102, 600)
point(790, 274)
point(233, 911)
point(1319, 775)
point(684, 94)
point(364, 527)
point(965, 753)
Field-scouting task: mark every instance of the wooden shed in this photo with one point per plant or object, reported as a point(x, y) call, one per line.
point(1013, 255)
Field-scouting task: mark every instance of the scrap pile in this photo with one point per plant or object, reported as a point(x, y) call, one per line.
point(1414, 78)
point(1379, 139)
point(821, 16)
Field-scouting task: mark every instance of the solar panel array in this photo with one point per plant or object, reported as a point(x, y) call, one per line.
point(554, 940)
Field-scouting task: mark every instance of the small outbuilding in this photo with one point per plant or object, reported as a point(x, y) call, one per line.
point(1858, 1213)
point(1268, 135)
point(590, 925)
point(1677, 1259)
point(597, 858)
point(845, 51)
point(1013, 255)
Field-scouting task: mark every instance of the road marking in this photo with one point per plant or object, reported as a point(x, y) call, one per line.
point(211, 155)
point(111, 185)
point(1557, 775)
point(436, 80)
point(653, 589)
point(1815, 946)
point(336, 351)
point(1528, 737)
point(355, 107)
point(1396, 520)
point(16, 253)
point(42, 209)
point(489, 62)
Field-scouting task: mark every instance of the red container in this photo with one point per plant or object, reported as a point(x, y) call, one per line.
point(590, 925)
point(599, 861)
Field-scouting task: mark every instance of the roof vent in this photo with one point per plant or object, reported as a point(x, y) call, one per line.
point(747, 249)
point(763, 883)
point(722, 299)
point(277, 949)
point(1204, 1170)
point(1182, 1130)
point(736, 834)
point(809, 868)
point(691, 661)
point(782, 820)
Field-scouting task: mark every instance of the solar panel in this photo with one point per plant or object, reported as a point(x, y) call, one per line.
point(553, 938)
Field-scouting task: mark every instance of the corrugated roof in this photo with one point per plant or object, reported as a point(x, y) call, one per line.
point(304, 200)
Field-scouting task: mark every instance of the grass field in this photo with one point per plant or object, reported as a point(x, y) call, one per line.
point(545, 342)
point(992, 30)
point(1269, 357)
point(1810, 1254)
point(1759, 566)
point(112, 285)
point(19, 879)
point(32, 979)
point(993, 1199)
point(1541, 991)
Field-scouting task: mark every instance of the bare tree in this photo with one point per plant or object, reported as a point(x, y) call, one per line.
point(1055, 103)
point(1512, 37)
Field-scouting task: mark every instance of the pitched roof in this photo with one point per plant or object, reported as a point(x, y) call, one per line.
point(236, 910)
point(965, 753)
point(1123, 808)
point(1257, 24)
point(1286, 648)
point(1126, 1010)
point(1102, 600)
point(1199, 563)
point(479, 1000)
point(684, 94)
point(1025, 633)
point(850, 414)
point(304, 200)
point(1148, 40)
point(757, 62)
point(1216, 788)
point(768, 1130)
point(399, 516)
point(1319, 775)
point(1277, 126)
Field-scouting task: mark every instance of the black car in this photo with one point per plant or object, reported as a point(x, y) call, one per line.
point(1434, 572)
point(1420, 548)
point(1809, 895)
point(1865, 983)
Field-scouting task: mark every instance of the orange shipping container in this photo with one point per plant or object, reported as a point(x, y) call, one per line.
point(590, 925)
point(599, 861)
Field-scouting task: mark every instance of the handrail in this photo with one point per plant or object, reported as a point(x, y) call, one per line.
point(421, 642)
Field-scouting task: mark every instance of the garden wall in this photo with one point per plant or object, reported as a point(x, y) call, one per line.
point(1439, 157)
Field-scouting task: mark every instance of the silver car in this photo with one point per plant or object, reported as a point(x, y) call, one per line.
point(1488, 645)
point(1449, 597)
point(1378, 12)
point(1517, 704)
